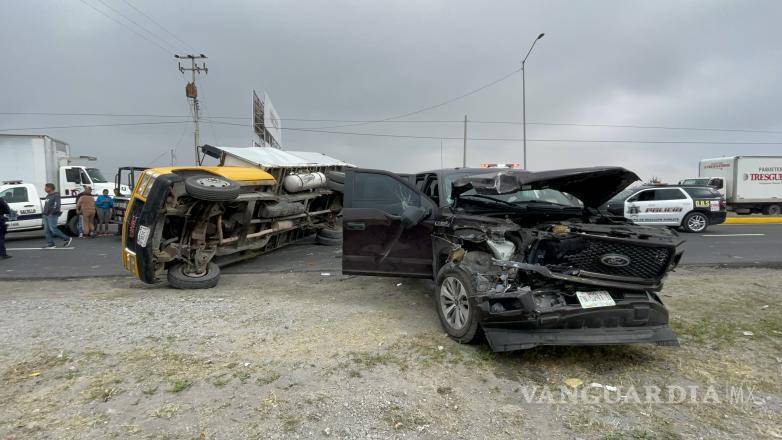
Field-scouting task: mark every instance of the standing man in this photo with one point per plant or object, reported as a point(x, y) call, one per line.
point(51, 212)
point(5, 210)
point(85, 205)
point(104, 205)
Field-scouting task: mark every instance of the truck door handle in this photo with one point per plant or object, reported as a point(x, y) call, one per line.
point(355, 226)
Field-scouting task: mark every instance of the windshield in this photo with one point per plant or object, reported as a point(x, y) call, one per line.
point(622, 195)
point(546, 195)
point(96, 175)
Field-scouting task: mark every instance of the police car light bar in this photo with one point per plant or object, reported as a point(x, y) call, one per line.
point(501, 165)
point(12, 182)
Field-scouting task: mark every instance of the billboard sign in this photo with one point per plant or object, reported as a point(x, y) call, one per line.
point(272, 122)
point(267, 125)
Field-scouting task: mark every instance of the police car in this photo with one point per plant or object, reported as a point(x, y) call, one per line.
point(692, 208)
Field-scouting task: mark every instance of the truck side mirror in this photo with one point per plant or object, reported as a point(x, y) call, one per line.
point(719, 183)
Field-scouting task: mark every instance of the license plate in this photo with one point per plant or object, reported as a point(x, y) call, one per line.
point(599, 298)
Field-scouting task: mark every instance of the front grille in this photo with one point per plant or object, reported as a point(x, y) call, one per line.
point(645, 261)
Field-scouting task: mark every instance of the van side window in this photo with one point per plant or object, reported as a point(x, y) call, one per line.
point(72, 175)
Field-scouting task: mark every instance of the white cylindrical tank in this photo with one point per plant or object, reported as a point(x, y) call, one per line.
point(300, 182)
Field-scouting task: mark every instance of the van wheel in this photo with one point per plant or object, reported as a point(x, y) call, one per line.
point(772, 210)
point(452, 292)
point(211, 188)
point(695, 222)
point(180, 279)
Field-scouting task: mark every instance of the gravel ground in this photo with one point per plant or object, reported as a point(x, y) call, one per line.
point(308, 355)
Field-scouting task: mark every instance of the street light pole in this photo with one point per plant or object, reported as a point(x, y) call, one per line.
point(524, 98)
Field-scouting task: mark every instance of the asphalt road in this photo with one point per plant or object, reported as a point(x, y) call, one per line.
point(730, 245)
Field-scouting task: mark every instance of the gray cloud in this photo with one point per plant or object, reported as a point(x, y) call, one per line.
point(672, 63)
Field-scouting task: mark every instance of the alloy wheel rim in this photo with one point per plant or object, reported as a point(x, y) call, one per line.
point(454, 303)
point(697, 222)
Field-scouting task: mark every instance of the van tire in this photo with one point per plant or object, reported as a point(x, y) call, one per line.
point(330, 233)
point(211, 188)
point(328, 241)
point(71, 227)
point(179, 280)
point(772, 210)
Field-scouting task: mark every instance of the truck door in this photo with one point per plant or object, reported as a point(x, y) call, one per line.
point(374, 239)
point(23, 199)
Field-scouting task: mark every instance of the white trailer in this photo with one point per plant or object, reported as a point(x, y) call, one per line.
point(38, 159)
point(752, 183)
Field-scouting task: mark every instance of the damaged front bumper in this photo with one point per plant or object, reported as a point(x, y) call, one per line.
point(517, 317)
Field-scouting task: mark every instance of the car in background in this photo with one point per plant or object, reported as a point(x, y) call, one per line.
point(512, 255)
point(691, 208)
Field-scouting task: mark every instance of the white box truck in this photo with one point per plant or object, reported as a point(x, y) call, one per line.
point(28, 162)
point(752, 184)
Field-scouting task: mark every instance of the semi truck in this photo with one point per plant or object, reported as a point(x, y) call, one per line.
point(30, 161)
point(751, 184)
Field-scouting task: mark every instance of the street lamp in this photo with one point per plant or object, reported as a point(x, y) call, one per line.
point(524, 98)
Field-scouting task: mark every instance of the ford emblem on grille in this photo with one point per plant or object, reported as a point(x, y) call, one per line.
point(615, 260)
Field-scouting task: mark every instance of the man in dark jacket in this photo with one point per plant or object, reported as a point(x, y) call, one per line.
point(5, 210)
point(51, 213)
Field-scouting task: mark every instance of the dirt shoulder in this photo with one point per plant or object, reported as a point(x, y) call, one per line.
point(306, 355)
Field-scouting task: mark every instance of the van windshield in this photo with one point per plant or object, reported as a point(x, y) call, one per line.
point(96, 176)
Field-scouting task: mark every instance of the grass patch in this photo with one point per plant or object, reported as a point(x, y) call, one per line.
point(180, 385)
point(290, 423)
point(267, 378)
point(402, 418)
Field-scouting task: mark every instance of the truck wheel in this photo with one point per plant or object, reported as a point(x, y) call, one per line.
point(772, 210)
point(695, 222)
point(72, 227)
point(211, 188)
point(458, 316)
point(179, 279)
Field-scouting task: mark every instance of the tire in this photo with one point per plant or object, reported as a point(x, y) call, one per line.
point(695, 222)
point(336, 176)
point(72, 227)
point(336, 187)
point(458, 316)
point(330, 233)
point(772, 210)
point(179, 280)
point(328, 241)
point(211, 188)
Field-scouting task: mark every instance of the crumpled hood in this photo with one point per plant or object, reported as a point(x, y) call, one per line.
point(593, 186)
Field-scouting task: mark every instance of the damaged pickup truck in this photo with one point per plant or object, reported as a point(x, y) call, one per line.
point(523, 257)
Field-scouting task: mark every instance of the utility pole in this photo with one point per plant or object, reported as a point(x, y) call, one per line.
point(524, 98)
point(441, 152)
point(464, 152)
point(171, 152)
point(192, 94)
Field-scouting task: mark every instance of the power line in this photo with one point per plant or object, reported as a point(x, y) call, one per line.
point(432, 107)
point(386, 135)
point(154, 35)
point(441, 121)
point(95, 125)
point(167, 51)
point(159, 25)
point(598, 141)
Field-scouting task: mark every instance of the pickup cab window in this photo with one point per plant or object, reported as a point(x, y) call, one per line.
point(383, 192)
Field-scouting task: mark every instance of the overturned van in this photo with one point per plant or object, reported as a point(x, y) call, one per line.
point(183, 223)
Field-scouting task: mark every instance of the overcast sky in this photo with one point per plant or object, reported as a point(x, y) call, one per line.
point(710, 64)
